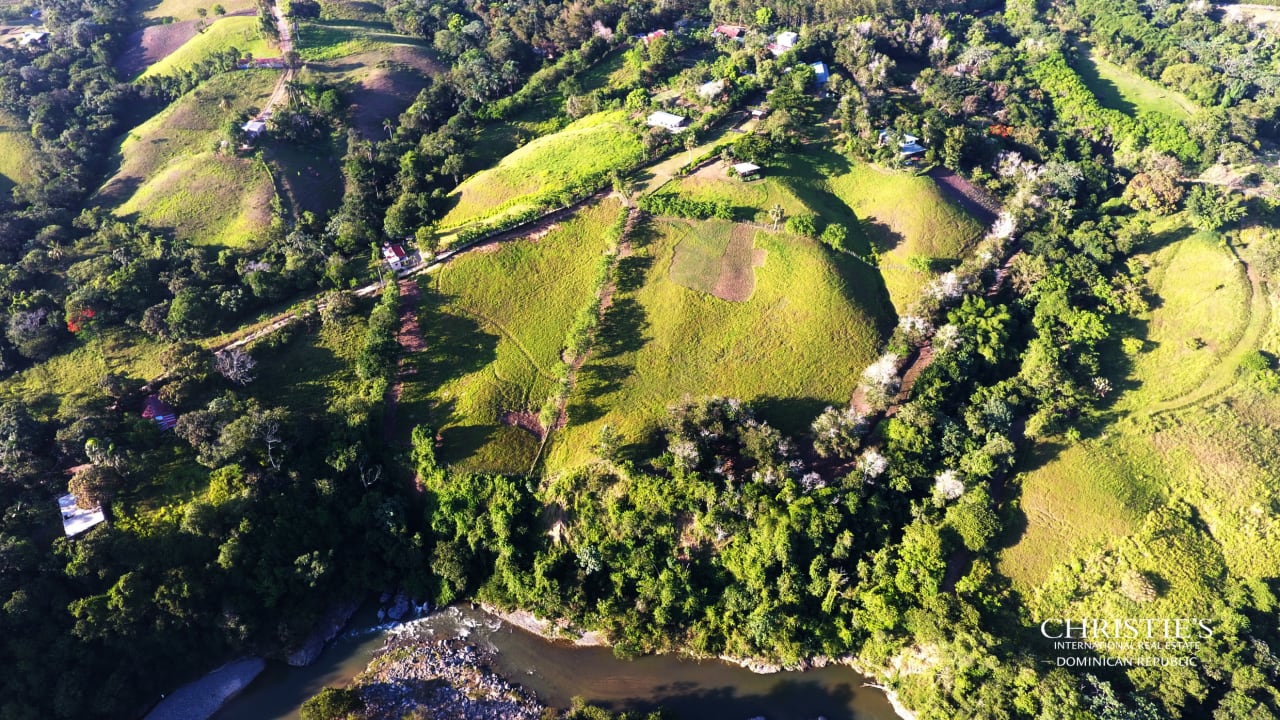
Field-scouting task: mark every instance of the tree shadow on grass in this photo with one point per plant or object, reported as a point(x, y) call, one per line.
point(460, 442)
point(623, 329)
point(455, 344)
point(790, 415)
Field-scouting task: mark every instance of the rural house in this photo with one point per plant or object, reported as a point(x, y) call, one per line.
point(908, 144)
point(650, 37)
point(398, 258)
point(733, 32)
point(672, 123)
point(820, 74)
point(254, 128)
point(76, 519)
point(160, 412)
point(747, 171)
point(34, 37)
point(783, 43)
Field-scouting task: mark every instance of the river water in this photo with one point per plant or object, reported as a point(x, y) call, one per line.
point(557, 672)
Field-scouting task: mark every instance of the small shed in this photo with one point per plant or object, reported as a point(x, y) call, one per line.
point(159, 412)
point(787, 40)
point(747, 171)
point(76, 519)
point(254, 128)
point(673, 123)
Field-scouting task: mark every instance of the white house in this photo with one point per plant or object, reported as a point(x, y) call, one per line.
point(33, 37)
point(672, 123)
point(398, 258)
point(746, 170)
point(787, 40)
point(76, 519)
point(254, 128)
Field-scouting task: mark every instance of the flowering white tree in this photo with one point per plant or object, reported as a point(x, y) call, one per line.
point(881, 381)
point(947, 485)
point(685, 453)
point(948, 287)
point(236, 365)
point(872, 464)
point(836, 432)
point(915, 328)
point(947, 338)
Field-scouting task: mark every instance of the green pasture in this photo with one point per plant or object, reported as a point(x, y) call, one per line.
point(1120, 88)
point(814, 321)
point(325, 40)
point(169, 175)
point(1187, 426)
point(17, 153)
point(594, 144)
point(240, 32)
point(494, 324)
point(189, 9)
point(899, 215)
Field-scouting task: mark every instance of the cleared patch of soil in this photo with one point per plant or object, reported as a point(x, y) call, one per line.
point(526, 420)
point(389, 89)
point(737, 280)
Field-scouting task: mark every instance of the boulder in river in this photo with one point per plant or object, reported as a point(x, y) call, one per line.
point(328, 629)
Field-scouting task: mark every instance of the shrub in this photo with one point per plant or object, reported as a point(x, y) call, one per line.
point(804, 225)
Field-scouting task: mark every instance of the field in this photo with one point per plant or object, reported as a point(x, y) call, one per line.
point(379, 83)
point(17, 151)
point(545, 164)
point(240, 32)
point(494, 322)
point(716, 258)
point(1119, 88)
point(322, 40)
point(188, 9)
point(899, 215)
point(814, 321)
point(169, 175)
point(1180, 469)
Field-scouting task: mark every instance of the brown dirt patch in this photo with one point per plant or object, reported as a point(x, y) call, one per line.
point(526, 420)
point(737, 279)
point(389, 89)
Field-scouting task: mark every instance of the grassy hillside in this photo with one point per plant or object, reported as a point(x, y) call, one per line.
point(494, 325)
point(381, 81)
point(17, 150)
point(188, 9)
point(1188, 426)
point(902, 216)
point(546, 164)
point(798, 344)
point(239, 32)
point(170, 176)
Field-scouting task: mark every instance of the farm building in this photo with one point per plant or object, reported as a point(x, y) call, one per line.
point(34, 37)
point(254, 128)
point(712, 90)
point(760, 112)
point(733, 32)
point(76, 519)
point(908, 144)
point(159, 411)
point(673, 123)
point(275, 63)
point(398, 258)
point(747, 171)
point(650, 37)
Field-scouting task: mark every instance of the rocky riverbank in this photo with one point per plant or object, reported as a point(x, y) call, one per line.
point(440, 679)
point(201, 699)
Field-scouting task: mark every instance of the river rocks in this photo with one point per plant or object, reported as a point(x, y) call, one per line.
point(201, 699)
point(400, 607)
point(442, 679)
point(329, 627)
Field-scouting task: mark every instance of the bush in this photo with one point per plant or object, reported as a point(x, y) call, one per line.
point(835, 235)
point(332, 704)
point(674, 205)
point(804, 225)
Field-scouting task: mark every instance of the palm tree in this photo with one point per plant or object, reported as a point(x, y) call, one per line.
point(690, 142)
point(389, 125)
point(776, 214)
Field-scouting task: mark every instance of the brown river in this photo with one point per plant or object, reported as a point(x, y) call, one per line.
point(556, 672)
